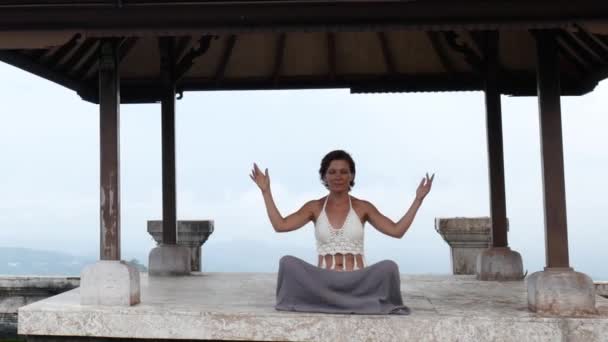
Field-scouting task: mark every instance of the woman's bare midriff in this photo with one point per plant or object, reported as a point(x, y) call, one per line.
point(343, 262)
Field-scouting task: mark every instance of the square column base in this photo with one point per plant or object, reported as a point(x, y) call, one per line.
point(109, 282)
point(169, 260)
point(561, 292)
point(499, 263)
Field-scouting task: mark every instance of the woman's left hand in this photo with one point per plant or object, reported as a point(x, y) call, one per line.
point(424, 187)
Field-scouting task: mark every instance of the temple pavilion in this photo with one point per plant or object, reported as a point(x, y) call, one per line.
point(155, 51)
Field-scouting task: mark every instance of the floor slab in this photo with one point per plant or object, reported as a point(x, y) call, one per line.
point(239, 306)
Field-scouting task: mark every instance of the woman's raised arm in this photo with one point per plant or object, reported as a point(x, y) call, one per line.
point(397, 230)
point(279, 223)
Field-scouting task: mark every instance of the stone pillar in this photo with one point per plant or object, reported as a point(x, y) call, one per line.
point(110, 281)
point(190, 234)
point(558, 289)
point(168, 258)
point(498, 262)
point(467, 238)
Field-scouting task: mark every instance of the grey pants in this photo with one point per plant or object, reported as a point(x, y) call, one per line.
point(306, 288)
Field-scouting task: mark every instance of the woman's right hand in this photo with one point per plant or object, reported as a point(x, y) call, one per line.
point(262, 180)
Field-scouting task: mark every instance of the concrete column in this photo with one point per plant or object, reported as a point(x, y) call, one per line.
point(109, 135)
point(467, 237)
point(558, 290)
point(190, 234)
point(109, 281)
point(167, 65)
point(168, 258)
point(498, 262)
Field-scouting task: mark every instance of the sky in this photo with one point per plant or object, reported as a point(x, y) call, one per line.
point(49, 179)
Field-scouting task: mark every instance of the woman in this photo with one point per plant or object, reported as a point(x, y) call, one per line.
point(339, 220)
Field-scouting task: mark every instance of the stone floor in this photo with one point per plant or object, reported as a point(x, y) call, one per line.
point(239, 306)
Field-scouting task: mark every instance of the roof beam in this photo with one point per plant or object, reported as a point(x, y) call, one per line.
point(331, 55)
point(221, 68)
point(181, 46)
point(570, 55)
point(441, 52)
point(87, 65)
point(278, 57)
point(515, 82)
point(482, 39)
point(386, 52)
point(593, 42)
point(77, 56)
point(581, 49)
point(470, 56)
point(187, 61)
point(125, 47)
point(56, 58)
point(152, 16)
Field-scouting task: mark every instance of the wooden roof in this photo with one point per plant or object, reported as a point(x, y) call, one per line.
point(367, 46)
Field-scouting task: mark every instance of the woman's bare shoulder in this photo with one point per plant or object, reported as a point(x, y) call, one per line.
point(314, 207)
point(360, 202)
point(315, 203)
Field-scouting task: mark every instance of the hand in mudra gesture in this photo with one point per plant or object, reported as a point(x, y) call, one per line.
point(262, 180)
point(424, 187)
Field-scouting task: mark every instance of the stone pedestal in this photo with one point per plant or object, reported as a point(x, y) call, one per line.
point(190, 234)
point(109, 282)
point(499, 263)
point(562, 292)
point(169, 260)
point(467, 238)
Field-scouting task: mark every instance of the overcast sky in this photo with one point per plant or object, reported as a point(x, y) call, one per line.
point(49, 179)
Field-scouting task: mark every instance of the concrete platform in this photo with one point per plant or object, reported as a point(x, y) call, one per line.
point(229, 306)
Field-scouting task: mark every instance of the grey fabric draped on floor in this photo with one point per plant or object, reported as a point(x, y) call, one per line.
point(306, 288)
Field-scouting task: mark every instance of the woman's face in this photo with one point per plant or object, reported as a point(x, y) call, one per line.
point(338, 176)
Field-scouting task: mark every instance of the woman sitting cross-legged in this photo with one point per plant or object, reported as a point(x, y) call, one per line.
point(341, 282)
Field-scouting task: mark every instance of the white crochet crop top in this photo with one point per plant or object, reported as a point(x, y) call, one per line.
point(345, 240)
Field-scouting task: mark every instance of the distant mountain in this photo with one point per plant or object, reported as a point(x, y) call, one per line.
point(224, 256)
point(24, 261)
point(218, 256)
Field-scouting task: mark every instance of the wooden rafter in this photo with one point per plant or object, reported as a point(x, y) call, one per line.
point(181, 46)
point(602, 39)
point(63, 51)
point(571, 56)
point(470, 55)
point(331, 55)
point(593, 42)
point(187, 60)
point(87, 65)
point(581, 49)
point(389, 61)
point(278, 57)
point(228, 48)
point(76, 58)
point(441, 52)
point(126, 47)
